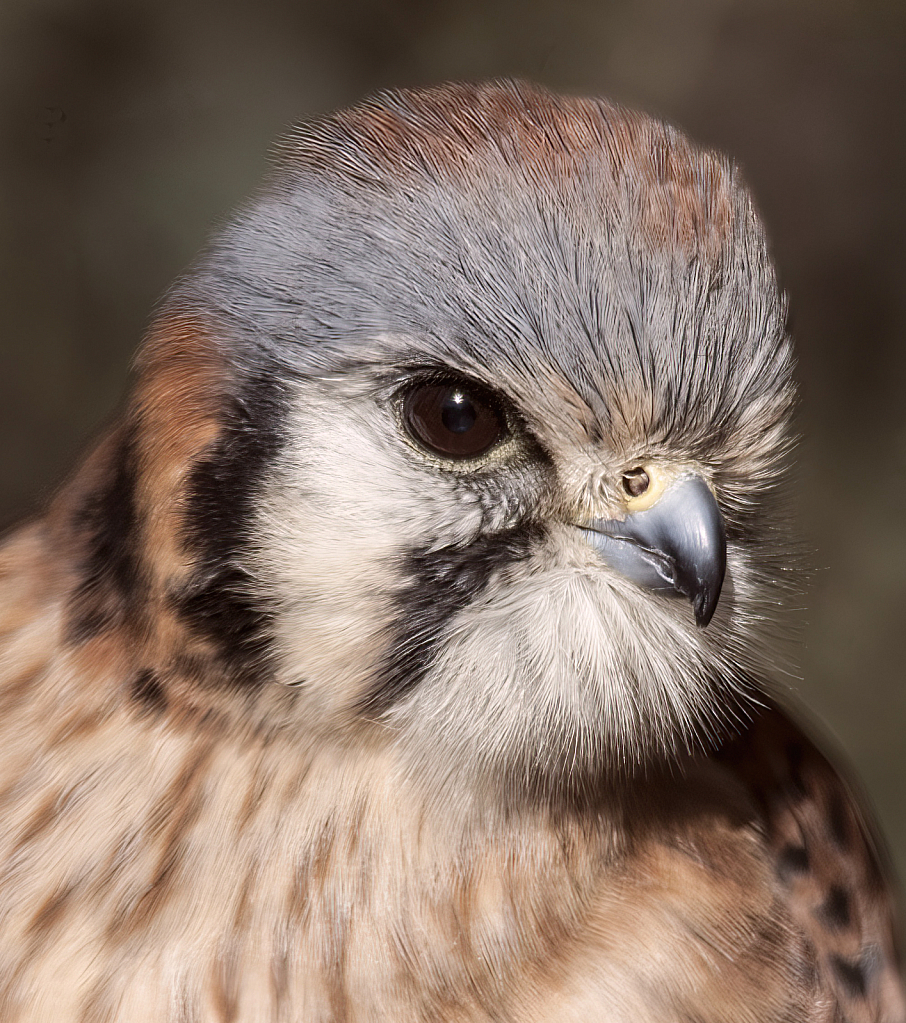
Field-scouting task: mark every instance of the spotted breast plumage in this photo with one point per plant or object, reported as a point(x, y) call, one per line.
point(406, 650)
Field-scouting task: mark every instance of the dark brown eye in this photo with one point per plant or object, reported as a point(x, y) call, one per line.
point(453, 420)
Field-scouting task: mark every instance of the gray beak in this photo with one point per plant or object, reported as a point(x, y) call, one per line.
point(677, 546)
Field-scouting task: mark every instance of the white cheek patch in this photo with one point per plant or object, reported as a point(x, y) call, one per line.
point(345, 501)
point(560, 667)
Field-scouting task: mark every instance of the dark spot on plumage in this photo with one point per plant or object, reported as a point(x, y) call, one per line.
point(442, 582)
point(835, 911)
point(196, 669)
point(112, 567)
point(51, 809)
point(90, 621)
point(851, 976)
point(51, 911)
point(147, 690)
point(218, 601)
point(792, 862)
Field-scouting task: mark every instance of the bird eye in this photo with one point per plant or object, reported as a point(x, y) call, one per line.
point(453, 419)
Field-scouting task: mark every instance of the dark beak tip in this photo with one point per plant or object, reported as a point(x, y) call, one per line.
point(703, 591)
point(704, 608)
point(705, 598)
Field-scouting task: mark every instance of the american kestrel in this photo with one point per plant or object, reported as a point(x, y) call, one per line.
point(405, 651)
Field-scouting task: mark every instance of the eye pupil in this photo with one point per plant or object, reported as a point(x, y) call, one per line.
point(457, 412)
point(452, 419)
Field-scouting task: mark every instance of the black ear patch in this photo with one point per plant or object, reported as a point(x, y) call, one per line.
point(442, 583)
point(112, 583)
point(219, 602)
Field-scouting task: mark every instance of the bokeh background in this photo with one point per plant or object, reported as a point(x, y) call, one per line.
point(129, 127)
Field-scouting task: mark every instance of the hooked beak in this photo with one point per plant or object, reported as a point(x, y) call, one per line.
point(677, 546)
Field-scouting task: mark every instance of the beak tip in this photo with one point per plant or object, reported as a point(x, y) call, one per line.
point(704, 589)
point(704, 612)
point(705, 600)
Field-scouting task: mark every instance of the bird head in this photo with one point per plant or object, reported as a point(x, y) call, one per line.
point(465, 430)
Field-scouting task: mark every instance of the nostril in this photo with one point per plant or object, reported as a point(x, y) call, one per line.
point(636, 481)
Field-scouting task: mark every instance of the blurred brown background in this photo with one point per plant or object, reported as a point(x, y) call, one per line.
point(128, 127)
